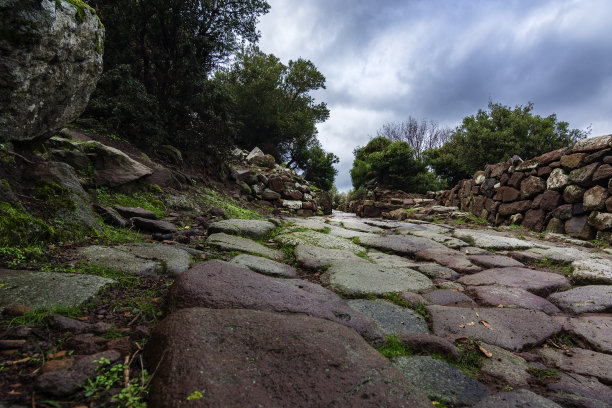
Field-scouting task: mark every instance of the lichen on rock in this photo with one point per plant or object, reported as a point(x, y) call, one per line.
point(50, 60)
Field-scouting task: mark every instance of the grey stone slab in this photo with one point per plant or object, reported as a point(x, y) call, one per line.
point(537, 282)
point(221, 285)
point(505, 366)
point(578, 391)
point(488, 240)
point(496, 295)
point(48, 289)
point(516, 399)
point(512, 329)
point(434, 271)
point(233, 243)
point(448, 297)
point(494, 261)
point(389, 260)
point(345, 233)
point(580, 361)
point(251, 228)
point(310, 223)
point(563, 254)
point(584, 299)
point(402, 244)
point(441, 381)
point(596, 330)
point(264, 265)
point(319, 239)
point(360, 279)
point(361, 226)
point(391, 318)
point(446, 240)
point(138, 258)
point(593, 270)
point(312, 257)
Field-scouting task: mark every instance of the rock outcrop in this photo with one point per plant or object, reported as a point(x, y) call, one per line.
point(50, 61)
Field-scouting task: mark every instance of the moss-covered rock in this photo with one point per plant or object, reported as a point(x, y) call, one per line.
point(18, 227)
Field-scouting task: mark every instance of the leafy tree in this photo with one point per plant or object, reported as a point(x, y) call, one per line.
point(497, 134)
point(171, 47)
point(393, 164)
point(319, 168)
point(273, 106)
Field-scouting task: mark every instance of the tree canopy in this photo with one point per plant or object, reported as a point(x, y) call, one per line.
point(495, 135)
point(273, 106)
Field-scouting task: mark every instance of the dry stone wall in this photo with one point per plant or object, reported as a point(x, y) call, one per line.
point(260, 178)
point(564, 191)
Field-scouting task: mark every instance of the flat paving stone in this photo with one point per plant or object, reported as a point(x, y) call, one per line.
point(562, 254)
point(441, 381)
point(448, 297)
point(578, 391)
point(580, 361)
point(248, 358)
point(436, 271)
point(505, 366)
point(494, 261)
point(596, 330)
point(355, 279)
point(391, 318)
point(345, 233)
point(584, 299)
point(537, 282)
point(389, 260)
point(48, 289)
point(516, 399)
point(251, 228)
point(310, 223)
point(319, 239)
point(234, 243)
point(220, 285)
point(512, 329)
point(487, 240)
point(312, 257)
point(453, 259)
point(496, 295)
point(445, 240)
point(401, 244)
point(264, 265)
point(361, 226)
point(593, 270)
point(137, 258)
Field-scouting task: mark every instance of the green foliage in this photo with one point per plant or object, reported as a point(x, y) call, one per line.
point(19, 228)
point(497, 134)
point(147, 200)
point(394, 348)
point(158, 56)
point(55, 196)
point(231, 207)
point(394, 164)
point(17, 256)
point(564, 268)
point(37, 316)
point(319, 167)
point(542, 373)
point(397, 299)
point(471, 357)
point(273, 106)
point(110, 376)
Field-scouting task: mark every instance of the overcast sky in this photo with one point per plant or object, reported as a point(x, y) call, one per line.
point(444, 60)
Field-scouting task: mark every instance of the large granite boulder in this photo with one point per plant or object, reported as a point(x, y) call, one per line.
point(50, 61)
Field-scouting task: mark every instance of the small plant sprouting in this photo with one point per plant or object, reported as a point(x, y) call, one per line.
point(394, 348)
point(542, 373)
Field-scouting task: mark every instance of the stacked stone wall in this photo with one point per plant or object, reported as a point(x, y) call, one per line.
point(564, 191)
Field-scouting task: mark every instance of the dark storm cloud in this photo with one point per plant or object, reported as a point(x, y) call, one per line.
point(443, 60)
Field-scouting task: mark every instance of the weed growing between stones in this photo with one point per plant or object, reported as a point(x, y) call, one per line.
point(470, 220)
point(147, 200)
point(37, 316)
point(542, 373)
point(14, 257)
point(231, 207)
point(471, 357)
point(561, 340)
point(110, 376)
point(394, 348)
point(565, 269)
point(397, 299)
